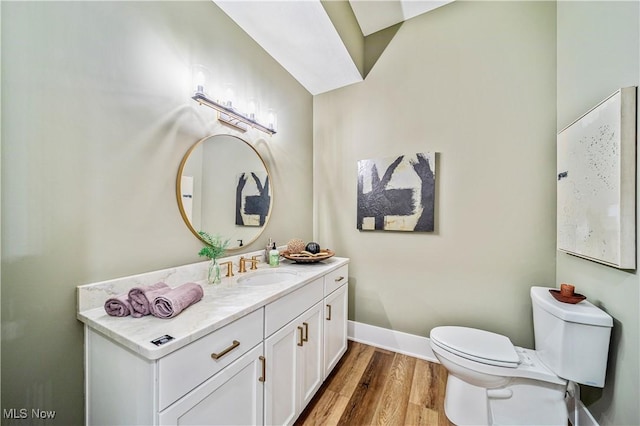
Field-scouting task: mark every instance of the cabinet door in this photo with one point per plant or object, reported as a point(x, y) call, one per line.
point(335, 328)
point(294, 367)
point(281, 375)
point(234, 396)
point(310, 365)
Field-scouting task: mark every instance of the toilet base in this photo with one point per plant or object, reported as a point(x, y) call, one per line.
point(520, 402)
point(464, 403)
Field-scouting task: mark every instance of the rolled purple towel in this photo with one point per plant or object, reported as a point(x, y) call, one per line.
point(141, 298)
point(118, 306)
point(175, 301)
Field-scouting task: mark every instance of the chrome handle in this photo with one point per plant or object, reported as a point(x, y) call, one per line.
point(264, 369)
point(329, 314)
point(340, 278)
point(234, 345)
point(301, 336)
point(306, 332)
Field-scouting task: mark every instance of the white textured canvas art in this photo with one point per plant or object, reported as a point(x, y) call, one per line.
point(596, 183)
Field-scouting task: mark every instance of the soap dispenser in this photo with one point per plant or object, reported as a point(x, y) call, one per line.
point(274, 256)
point(267, 249)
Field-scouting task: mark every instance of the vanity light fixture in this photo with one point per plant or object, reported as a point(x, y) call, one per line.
point(234, 118)
point(226, 111)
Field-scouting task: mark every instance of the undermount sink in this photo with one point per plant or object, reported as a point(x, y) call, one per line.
point(268, 277)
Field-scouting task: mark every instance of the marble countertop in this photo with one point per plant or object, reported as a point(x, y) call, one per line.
point(221, 304)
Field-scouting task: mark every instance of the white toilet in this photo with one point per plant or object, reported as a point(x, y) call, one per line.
point(492, 382)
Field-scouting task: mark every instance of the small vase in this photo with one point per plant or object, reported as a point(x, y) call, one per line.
point(214, 272)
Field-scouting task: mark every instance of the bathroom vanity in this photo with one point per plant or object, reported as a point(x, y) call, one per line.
point(254, 350)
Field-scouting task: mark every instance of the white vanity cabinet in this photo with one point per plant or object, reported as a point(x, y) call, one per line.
point(335, 328)
point(192, 385)
point(293, 352)
point(262, 362)
point(335, 320)
point(233, 394)
point(232, 397)
point(188, 367)
point(310, 351)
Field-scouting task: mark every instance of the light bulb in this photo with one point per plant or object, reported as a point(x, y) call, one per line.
point(252, 108)
point(272, 119)
point(228, 96)
point(200, 82)
point(199, 77)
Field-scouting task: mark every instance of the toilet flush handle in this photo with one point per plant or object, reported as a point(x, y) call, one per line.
point(499, 393)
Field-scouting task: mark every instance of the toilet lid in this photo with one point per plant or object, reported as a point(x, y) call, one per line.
point(477, 345)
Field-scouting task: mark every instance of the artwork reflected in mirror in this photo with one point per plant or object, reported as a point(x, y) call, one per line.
point(252, 199)
point(223, 187)
point(397, 193)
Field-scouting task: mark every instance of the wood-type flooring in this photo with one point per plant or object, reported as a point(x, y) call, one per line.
point(372, 386)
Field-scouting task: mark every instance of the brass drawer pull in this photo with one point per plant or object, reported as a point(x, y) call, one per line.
point(301, 336)
point(340, 278)
point(234, 345)
point(329, 314)
point(264, 369)
point(306, 332)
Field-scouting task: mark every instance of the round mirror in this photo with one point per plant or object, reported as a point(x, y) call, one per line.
point(223, 187)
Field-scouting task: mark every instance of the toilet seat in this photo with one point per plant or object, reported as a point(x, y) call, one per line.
point(477, 345)
point(528, 366)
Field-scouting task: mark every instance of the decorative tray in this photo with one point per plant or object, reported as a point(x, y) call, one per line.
point(573, 299)
point(306, 257)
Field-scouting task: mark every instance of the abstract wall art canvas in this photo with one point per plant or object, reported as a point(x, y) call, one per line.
point(252, 198)
point(596, 183)
point(397, 193)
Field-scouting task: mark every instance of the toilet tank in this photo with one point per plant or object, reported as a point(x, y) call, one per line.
point(571, 339)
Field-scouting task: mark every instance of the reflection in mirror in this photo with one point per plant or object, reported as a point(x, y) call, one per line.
point(223, 187)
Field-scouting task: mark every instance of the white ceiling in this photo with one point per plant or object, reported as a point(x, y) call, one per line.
point(376, 15)
point(301, 37)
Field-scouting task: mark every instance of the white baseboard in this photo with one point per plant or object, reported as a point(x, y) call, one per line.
point(419, 347)
point(396, 341)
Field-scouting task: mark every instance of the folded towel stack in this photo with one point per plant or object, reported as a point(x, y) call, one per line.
point(142, 297)
point(175, 301)
point(157, 299)
point(118, 306)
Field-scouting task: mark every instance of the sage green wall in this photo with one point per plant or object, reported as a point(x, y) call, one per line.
point(0, 208)
point(474, 82)
point(599, 52)
point(96, 118)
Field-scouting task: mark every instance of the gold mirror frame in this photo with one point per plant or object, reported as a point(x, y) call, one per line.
point(234, 245)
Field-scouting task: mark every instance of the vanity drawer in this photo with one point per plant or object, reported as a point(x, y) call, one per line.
point(279, 313)
point(184, 369)
point(334, 279)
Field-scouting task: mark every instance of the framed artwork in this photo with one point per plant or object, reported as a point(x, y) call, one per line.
point(252, 198)
point(397, 193)
point(596, 178)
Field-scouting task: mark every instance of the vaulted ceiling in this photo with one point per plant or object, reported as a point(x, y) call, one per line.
point(304, 39)
point(374, 16)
